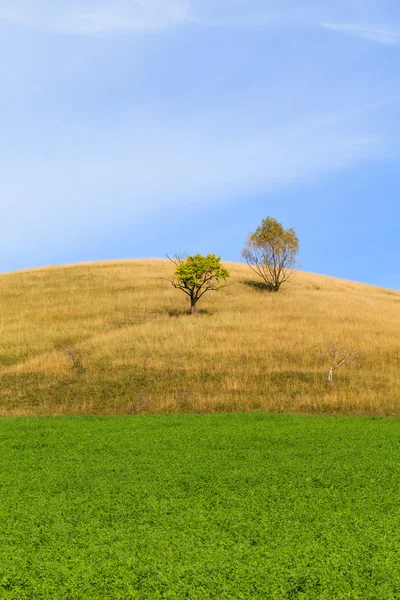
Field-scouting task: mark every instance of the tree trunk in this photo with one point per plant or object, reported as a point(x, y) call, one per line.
point(192, 308)
point(330, 377)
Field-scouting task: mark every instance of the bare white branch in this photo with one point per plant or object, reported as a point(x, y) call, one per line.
point(338, 355)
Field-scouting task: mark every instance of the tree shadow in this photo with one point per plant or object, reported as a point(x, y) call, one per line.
point(259, 286)
point(174, 312)
point(282, 378)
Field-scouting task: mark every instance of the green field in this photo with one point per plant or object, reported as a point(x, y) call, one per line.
point(200, 506)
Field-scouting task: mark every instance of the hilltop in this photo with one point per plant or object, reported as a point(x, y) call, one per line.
point(115, 338)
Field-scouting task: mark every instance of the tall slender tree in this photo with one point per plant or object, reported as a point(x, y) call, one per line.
point(271, 252)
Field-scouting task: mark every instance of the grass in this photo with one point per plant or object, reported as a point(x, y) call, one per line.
point(114, 338)
point(239, 506)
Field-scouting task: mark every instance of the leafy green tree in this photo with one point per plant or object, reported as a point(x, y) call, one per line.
point(196, 275)
point(271, 252)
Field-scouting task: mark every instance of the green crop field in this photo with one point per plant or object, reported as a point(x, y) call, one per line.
point(200, 506)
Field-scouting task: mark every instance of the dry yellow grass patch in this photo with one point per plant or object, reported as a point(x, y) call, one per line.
point(115, 337)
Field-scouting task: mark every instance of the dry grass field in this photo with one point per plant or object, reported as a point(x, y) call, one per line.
point(115, 338)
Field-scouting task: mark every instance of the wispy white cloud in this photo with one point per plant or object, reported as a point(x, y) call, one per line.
point(381, 35)
point(162, 167)
point(96, 16)
point(105, 16)
point(98, 186)
point(307, 13)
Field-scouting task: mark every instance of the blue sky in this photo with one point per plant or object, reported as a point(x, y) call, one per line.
point(135, 128)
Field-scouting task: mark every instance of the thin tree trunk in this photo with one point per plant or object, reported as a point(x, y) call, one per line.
point(330, 377)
